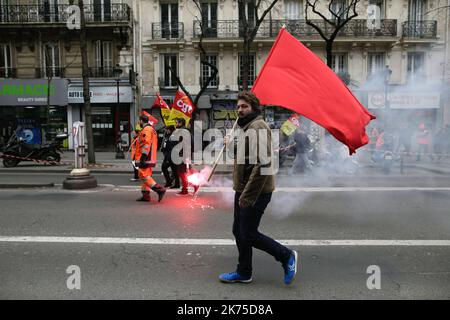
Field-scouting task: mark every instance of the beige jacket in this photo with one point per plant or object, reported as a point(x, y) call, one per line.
point(247, 178)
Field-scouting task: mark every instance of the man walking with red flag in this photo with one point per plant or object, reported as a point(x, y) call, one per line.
point(253, 194)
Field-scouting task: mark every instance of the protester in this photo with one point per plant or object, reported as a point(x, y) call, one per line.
point(302, 146)
point(253, 194)
point(133, 147)
point(172, 181)
point(423, 142)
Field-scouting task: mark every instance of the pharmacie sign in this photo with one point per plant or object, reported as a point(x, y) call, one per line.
point(33, 92)
point(405, 100)
point(106, 94)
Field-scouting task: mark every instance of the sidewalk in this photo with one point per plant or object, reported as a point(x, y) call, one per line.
point(106, 163)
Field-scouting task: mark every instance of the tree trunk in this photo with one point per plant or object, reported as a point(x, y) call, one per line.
point(86, 89)
point(329, 50)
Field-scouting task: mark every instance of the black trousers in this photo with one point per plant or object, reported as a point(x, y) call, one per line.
point(166, 164)
point(245, 231)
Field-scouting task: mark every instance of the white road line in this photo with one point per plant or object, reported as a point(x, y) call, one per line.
point(218, 242)
point(307, 189)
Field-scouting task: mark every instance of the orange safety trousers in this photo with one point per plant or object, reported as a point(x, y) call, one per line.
point(147, 180)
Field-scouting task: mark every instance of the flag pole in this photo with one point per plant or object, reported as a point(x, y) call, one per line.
point(221, 152)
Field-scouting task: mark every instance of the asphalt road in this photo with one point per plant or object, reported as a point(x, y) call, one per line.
point(114, 266)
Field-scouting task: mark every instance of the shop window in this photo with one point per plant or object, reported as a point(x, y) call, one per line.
point(207, 71)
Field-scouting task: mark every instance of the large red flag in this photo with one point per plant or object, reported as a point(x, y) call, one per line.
point(295, 78)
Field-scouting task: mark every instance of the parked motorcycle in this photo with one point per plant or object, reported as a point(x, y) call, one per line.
point(17, 150)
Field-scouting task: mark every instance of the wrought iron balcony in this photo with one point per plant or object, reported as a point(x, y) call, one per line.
point(420, 29)
point(298, 28)
point(52, 72)
point(11, 14)
point(8, 72)
point(166, 30)
point(102, 72)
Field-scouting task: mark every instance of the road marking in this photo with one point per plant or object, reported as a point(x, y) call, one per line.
point(218, 242)
point(307, 189)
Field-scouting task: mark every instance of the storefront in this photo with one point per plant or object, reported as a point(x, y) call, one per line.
point(111, 114)
point(406, 107)
point(24, 109)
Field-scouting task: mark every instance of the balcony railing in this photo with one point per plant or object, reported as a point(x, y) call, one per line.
point(7, 72)
point(165, 30)
point(298, 28)
point(117, 12)
point(420, 29)
point(52, 72)
point(102, 72)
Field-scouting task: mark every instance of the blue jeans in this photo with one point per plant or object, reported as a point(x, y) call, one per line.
point(245, 231)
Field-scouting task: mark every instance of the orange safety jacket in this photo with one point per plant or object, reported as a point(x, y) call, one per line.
point(147, 144)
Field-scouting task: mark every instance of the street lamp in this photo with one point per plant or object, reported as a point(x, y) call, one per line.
point(117, 71)
point(387, 108)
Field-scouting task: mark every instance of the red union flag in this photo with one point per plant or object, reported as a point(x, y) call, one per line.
point(297, 79)
point(165, 109)
point(291, 124)
point(182, 107)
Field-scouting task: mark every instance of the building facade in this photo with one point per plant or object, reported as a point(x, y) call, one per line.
point(41, 70)
point(409, 37)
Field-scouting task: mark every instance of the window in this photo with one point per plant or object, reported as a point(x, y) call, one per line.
point(4, 12)
point(102, 10)
point(416, 63)
point(5, 61)
point(207, 71)
point(246, 13)
point(51, 60)
point(251, 69)
point(209, 18)
point(379, 4)
point(339, 63)
point(376, 63)
point(416, 10)
point(49, 10)
point(168, 61)
point(293, 9)
point(169, 20)
point(103, 59)
point(338, 7)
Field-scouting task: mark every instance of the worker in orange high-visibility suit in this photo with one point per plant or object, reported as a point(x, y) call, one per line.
point(146, 153)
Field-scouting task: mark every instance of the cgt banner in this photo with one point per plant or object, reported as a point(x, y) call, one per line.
point(289, 127)
point(165, 110)
point(182, 107)
point(33, 92)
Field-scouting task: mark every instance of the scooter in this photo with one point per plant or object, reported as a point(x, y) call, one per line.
point(17, 150)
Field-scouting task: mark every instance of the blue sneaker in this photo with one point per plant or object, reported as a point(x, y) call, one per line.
point(234, 277)
point(290, 268)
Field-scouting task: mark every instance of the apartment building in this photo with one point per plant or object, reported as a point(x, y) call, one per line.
point(406, 36)
point(40, 56)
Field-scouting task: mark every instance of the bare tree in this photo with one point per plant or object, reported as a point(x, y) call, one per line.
point(248, 29)
point(331, 27)
point(200, 14)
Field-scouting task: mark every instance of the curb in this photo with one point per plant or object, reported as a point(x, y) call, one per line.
point(25, 185)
